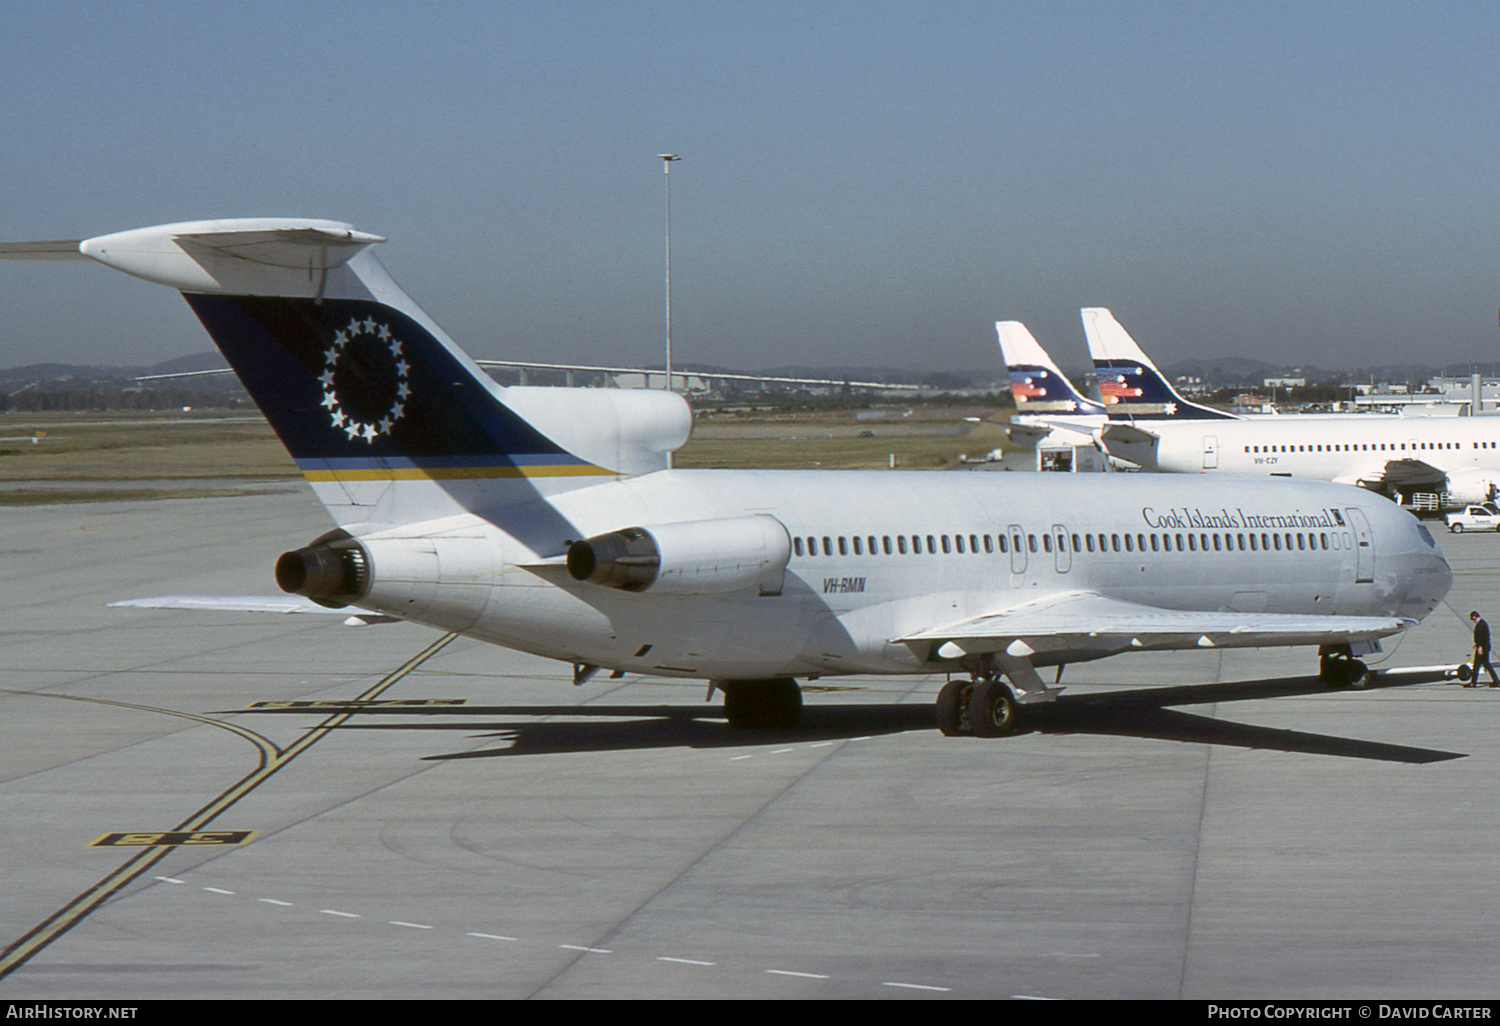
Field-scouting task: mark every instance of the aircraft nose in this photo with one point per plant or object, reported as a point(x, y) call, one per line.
point(1427, 576)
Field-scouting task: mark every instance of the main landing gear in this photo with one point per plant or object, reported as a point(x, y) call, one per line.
point(982, 708)
point(985, 705)
point(774, 704)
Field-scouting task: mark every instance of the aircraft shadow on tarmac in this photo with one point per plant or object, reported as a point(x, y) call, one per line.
point(1136, 712)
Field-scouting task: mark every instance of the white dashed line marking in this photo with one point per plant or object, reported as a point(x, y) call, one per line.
point(592, 950)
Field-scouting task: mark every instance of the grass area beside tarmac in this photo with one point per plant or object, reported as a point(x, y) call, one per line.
point(90, 457)
point(920, 437)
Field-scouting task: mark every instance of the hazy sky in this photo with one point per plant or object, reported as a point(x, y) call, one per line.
point(862, 182)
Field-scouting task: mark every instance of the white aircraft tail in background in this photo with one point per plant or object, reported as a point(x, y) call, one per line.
point(1130, 384)
point(1047, 404)
point(1036, 383)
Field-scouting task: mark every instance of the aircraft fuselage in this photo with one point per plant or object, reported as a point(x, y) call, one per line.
point(1327, 448)
point(876, 556)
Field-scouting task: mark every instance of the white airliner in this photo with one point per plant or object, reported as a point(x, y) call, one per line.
point(546, 519)
point(1153, 426)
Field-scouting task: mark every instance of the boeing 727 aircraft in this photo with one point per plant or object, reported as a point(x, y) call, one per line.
point(1153, 426)
point(547, 519)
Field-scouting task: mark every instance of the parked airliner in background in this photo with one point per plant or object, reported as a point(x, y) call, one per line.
point(1456, 457)
point(547, 520)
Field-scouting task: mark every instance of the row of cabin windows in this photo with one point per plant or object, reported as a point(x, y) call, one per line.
point(916, 544)
point(1366, 447)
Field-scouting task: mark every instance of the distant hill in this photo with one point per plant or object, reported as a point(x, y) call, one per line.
point(197, 362)
point(65, 372)
point(69, 377)
point(1239, 370)
point(1229, 370)
point(47, 372)
point(901, 375)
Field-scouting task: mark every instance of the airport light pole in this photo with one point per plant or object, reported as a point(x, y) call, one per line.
point(666, 178)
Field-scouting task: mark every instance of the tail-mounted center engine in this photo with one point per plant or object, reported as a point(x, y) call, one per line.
point(699, 557)
point(333, 571)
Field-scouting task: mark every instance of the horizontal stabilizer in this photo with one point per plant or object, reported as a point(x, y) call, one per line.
point(1027, 433)
point(316, 247)
point(261, 256)
point(55, 249)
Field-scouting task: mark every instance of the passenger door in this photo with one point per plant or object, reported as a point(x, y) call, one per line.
point(1364, 547)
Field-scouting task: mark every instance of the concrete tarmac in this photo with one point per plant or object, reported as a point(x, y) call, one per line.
point(1253, 836)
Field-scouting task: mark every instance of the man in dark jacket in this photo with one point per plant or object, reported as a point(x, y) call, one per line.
point(1482, 649)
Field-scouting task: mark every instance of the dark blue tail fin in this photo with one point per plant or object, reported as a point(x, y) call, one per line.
point(1129, 383)
point(1036, 383)
point(388, 419)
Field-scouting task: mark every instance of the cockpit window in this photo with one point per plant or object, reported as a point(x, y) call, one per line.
point(1426, 536)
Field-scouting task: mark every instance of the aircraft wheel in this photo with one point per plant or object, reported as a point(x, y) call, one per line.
point(1359, 674)
point(953, 708)
point(1337, 667)
point(993, 711)
point(762, 704)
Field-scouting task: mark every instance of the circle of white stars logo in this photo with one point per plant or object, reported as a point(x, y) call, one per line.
point(343, 340)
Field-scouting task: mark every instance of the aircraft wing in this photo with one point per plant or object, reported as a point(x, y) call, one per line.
point(1396, 474)
point(1126, 433)
point(250, 604)
point(1085, 625)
